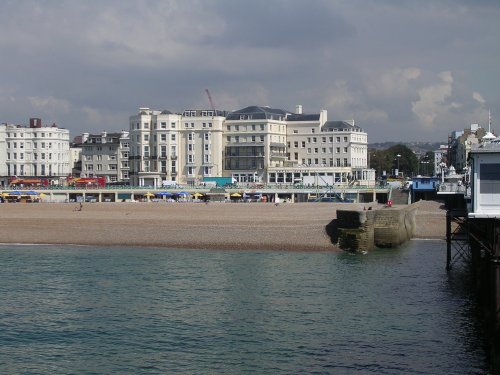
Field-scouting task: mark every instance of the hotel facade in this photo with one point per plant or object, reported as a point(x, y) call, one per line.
point(251, 145)
point(33, 151)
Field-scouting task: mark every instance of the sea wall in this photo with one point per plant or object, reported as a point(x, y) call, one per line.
point(365, 230)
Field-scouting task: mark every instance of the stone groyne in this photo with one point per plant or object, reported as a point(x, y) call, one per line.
point(365, 230)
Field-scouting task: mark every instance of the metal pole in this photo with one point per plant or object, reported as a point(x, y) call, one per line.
point(448, 240)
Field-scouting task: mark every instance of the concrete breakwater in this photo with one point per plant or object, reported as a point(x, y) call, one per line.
point(359, 231)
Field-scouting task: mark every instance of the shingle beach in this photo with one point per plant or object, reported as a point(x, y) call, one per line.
point(231, 226)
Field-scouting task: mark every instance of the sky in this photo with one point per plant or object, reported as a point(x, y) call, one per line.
point(404, 71)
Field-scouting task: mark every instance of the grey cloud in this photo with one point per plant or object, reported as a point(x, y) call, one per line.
point(86, 63)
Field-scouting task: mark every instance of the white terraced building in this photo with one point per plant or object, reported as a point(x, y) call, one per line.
point(34, 151)
point(172, 148)
point(251, 145)
point(278, 147)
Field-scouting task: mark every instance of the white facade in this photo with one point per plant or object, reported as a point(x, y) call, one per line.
point(201, 145)
point(485, 181)
point(34, 151)
point(274, 146)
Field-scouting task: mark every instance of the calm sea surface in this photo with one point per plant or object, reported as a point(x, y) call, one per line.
point(89, 310)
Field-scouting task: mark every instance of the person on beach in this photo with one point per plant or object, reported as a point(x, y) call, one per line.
point(79, 208)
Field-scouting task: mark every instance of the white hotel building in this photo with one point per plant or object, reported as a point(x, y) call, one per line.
point(172, 148)
point(278, 147)
point(33, 151)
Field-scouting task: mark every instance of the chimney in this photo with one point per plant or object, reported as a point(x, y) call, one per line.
point(35, 122)
point(323, 117)
point(85, 137)
point(298, 109)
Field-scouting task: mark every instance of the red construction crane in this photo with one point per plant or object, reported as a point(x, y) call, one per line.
point(210, 100)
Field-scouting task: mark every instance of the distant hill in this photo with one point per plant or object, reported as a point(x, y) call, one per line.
point(416, 147)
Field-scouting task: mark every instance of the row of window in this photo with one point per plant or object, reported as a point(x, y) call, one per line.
point(99, 157)
point(98, 167)
point(35, 135)
point(253, 138)
point(43, 156)
point(36, 170)
point(163, 125)
point(35, 145)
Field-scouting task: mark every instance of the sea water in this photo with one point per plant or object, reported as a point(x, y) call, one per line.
point(94, 310)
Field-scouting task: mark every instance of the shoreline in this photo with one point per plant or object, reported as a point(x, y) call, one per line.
point(218, 226)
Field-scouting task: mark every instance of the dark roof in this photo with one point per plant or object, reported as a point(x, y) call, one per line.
point(303, 117)
point(258, 113)
point(337, 125)
point(165, 112)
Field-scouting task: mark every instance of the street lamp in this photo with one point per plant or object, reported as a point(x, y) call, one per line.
point(398, 156)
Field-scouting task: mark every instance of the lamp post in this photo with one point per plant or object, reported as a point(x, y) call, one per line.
point(398, 156)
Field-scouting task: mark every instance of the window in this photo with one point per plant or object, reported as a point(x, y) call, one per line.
point(206, 147)
point(146, 137)
point(190, 136)
point(99, 167)
point(99, 157)
point(146, 125)
point(262, 138)
point(253, 138)
point(308, 150)
point(338, 139)
point(261, 126)
point(345, 149)
point(345, 139)
point(163, 125)
point(323, 139)
point(296, 144)
point(112, 167)
point(146, 151)
point(190, 171)
point(303, 145)
point(172, 137)
point(172, 125)
point(316, 150)
point(228, 138)
point(163, 137)
point(206, 136)
point(313, 130)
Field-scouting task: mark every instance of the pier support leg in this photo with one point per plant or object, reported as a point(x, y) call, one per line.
point(448, 240)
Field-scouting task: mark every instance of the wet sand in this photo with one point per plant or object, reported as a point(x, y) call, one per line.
point(235, 226)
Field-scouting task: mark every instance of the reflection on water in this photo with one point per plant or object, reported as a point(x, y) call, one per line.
point(156, 311)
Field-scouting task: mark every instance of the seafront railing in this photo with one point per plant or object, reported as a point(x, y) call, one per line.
point(197, 187)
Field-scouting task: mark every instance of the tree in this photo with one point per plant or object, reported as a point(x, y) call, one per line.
point(388, 160)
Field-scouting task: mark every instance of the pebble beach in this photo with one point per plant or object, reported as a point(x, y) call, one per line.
point(231, 226)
